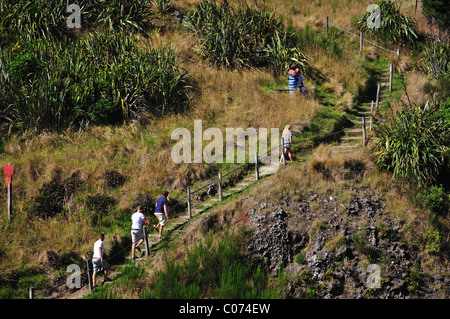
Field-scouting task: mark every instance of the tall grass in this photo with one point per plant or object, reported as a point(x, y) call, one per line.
point(211, 270)
point(48, 19)
point(397, 27)
point(101, 79)
point(435, 59)
point(413, 144)
point(243, 37)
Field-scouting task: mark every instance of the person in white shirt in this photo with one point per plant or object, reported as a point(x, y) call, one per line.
point(98, 262)
point(137, 235)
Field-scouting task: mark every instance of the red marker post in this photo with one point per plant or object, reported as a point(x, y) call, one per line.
point(9, 172)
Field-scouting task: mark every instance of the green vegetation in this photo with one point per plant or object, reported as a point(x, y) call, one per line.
point(435, 59)
point(102, 79)
point(86, 117)
point(244, 37)
point(438, 12)
point(413, 145)
point(48, 19)
point(394, 26)
point(210, 270)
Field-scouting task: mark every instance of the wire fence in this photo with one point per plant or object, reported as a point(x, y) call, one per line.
point(87, 273)
point(208, 184)
point(360, 36)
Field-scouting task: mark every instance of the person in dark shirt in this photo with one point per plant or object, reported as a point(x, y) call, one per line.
point(161, 211)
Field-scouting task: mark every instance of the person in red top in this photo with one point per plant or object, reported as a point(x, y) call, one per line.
point(295, 79)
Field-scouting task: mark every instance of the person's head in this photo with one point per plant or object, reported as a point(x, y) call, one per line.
point(101, 237)
point(165, 194)
point(294, 66)
point(139, 208)
point(287, 128)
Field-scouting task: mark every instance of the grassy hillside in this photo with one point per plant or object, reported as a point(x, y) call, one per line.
point(86, 158)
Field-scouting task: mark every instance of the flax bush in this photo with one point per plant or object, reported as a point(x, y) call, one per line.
point(100, 79)
point(395, 26)
point(243, 37)
point(413, 144)
point(48, 18)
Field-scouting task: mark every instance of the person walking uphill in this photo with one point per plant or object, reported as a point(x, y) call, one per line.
point(287, 142)
point(137, 235)
point(161, 211)
point(99, 264)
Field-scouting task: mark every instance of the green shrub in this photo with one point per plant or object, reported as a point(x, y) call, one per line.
point(114, 179)
point(413, 144)
point(24, 67)
point(435, 59)
point(359, 238)
point(52, 196)
point(33, 19)
point(101, 79)
point(100, 203)
point(300, 259)
point(435, 198)
point(434, 241)
point(147, 203)
point(50, 200)
point(437, 11)
point(243, 37)
point(395, 26)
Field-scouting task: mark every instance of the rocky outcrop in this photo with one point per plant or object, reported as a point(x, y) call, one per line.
point(270, 238)
point(338, 243)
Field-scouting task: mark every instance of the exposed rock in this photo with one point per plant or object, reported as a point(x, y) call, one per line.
point(270, 238)
point(337, 266)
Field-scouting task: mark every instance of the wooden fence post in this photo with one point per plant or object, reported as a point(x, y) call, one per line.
point(391, 70)
point(145, 241)
point(31, 293)
point(220, 186)
point(326, 26)
point(189, 201)
point(89, 274)
point(377, 103)
point(9, 201)
point(360, 41)
point(364, 130)
point(9, 171)
point(256, 166)
point(371, 115)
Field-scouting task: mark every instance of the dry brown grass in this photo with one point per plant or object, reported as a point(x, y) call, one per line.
point(141, 152)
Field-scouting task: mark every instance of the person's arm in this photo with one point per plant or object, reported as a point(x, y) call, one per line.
point(100, 253)
point(146, 221)
point(165, 211)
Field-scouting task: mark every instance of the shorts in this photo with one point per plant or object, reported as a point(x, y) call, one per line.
point(136, 235)
point(98, 265)
point(161, 218)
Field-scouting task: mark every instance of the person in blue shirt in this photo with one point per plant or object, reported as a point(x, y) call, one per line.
point(295, 80)
point(161, 212)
